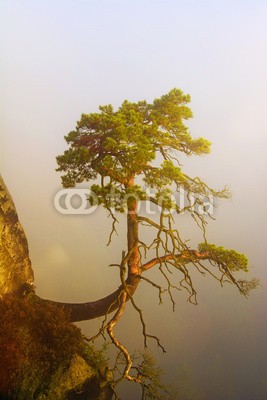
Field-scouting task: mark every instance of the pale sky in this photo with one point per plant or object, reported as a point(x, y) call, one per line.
point(63, 58)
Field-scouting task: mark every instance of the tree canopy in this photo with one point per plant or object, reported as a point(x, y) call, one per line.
point(121, 144)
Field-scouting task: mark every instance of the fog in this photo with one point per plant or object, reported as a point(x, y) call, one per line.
point(64, 58)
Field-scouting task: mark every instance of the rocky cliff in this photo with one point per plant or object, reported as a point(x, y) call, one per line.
point(15, 264)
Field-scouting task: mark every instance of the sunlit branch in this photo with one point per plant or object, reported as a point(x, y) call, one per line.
point(186, 256)
point(115, 341)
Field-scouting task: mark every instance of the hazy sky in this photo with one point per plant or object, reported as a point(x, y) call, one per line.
point(63, 58)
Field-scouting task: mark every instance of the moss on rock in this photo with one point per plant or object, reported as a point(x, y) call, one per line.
point(42, 355)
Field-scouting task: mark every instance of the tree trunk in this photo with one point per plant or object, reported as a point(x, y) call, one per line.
point(132, 234)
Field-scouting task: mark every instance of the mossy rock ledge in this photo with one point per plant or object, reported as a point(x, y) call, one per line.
point(45, 357)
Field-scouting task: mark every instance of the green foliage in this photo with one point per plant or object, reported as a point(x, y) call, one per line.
point(96, 358)
point(152, 386)
point(35, 339)
point(120, 144)
point(165, 175)
point(78, 161)
point(232, 259)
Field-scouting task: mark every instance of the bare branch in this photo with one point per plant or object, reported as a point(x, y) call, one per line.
point(113, 227)
point(145, 334)
point(160, 289)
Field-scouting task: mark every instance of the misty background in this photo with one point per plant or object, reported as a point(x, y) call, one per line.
point(63, 58)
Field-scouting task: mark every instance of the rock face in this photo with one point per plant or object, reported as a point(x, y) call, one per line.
point(78, 382)
point(15, 264)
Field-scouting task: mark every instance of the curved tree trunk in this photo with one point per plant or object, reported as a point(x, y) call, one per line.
point(16, 274)
point(94, 309)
